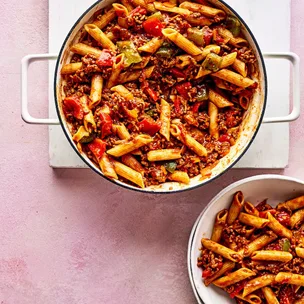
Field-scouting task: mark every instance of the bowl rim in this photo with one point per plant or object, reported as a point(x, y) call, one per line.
point(213, 201)
point(156, 191)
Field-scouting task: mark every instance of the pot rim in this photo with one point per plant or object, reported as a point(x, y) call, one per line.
point(186, 188)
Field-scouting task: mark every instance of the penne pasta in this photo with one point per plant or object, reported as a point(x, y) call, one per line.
point(127, 4)
point(131, 145)
point(128, 173)
point(235, 41)
point(222, 250)
point(134, 75)
point(240, 67)
point(300, 301)
point(294, 204)
point(121, 131)
point(99, 36)
point(164, 154)
point(252, 299)
point(142, 64)
point(107, 167)
point(258, 283)
point(250, 209)
point(234, 78)
point(89, 122)
point(71, 68)
point(289, 278)
point(271, 255)
point(133, 163)
point(300, 252)
point(180, 176)
point(219, 224)
point(198, 21)
point(213, 122)
point(83, 49)
point(203, 9)
point(234, 277)
point(165, 117)
point(171, 8)
point(152, 45)
point(270, 296)
point(181, 41)
point(122, 12)
point(277, 227)
point(227, 267)
point(80, 134)
point(211, 48)
point(235, 208)
point(219, 100)
point(123, 91)
point(253, 221)
point(96, 90)
point(117, 67)
point(105, 19)
point(297, 219)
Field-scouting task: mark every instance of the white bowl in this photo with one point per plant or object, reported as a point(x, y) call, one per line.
point(275, 188)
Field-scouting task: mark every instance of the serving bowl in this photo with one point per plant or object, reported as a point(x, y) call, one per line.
point(249, 126)
point(274, 188)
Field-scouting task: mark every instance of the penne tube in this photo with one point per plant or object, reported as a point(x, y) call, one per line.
point(271, 255)
point(235, 41)
point(80, 134)
point(105, 19)
point(300, 301)
point(270, 296)
point(250, 209)
point(235, 207)
point(252, 299)
point(179, 176)
point(198, 21)
point(129, 174)
point(227, 267)
point(234, 78)
point(253, 221)
point(204, 10)
point(181, 41)
point(127, 4)
point(240, 67)
point(183, 61)
point(219, 100)
point(164, 154)
point(219, 224)
point(289, 278)
point(99, 36)
point(152, 45)
point(71, 68)
point(294, 204)
point(188, 140)
point(258, 283)
point(227, 60)
point(213, 122)
point(148, 6)
point(277, 227)
point(134, 75)
point(300, 252)
point(96, 90)
point(234, 277)
point(107, 167)
point(244, 102)
point(131, 145)
point(171, 8)
point(83, 49)
point(123, 92)
point(133, 163)
point(121, 131)
point(297, 219)
point(222, 250)
point(89, 122)
point(142, 64)
point(249, 231)
point(165, 118)
point(211, 48)
point(259, 243)
point(117, 67)
point(120, 10)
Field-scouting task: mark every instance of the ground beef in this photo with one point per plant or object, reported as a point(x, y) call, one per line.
point(210, 262)
point(245, 54)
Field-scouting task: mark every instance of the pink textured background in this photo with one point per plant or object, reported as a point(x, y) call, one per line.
point(68, 236)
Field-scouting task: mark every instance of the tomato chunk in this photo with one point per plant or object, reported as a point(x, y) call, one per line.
point(105, 59)
point(283, 217)
point(177, 105)
point(153, 26)
point(208, 34)
point(178, 73)
point(73, 106)
point(149, 126)
point(224, 138)
point(206, 273)
point(153, 94)
point(97, 147)
point(183, 89)
point(106, 124)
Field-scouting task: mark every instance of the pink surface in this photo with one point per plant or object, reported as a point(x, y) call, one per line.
point(68, 236)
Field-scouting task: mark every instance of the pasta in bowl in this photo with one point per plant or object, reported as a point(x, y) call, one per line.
point(160, 96)
point(248, 243)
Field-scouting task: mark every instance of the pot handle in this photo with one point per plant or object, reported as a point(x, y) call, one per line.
point(25, 63)
point(295, 61)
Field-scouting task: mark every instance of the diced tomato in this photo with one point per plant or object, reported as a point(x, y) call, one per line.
point(286, 295)
point(208, 34)
point(153, 94)
point(238, 287)
point(105, 59)
point(220, 265)
point(217, 38)
point(178, 73)
point(177, 105)
point(203, 2)
point(206, 273)
point(73, 105)
point(263, 214)
point(183, 89)
point(196, 106)
point(97, 147)
point(224, 138)
point(153, 26)
point(106, 124)
point(283, 217)
point(149, 126)
point(138, 11)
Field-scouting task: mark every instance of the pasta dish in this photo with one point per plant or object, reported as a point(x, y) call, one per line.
point(157, 91)
point(256, 253)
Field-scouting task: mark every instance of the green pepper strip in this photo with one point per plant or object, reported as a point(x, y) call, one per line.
point(130, 52)
point(170, 166)
point(233, 25)
point(157, 15)
point(196, 35)
point(165, 52)
point(212, 62)
point(286, 245)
